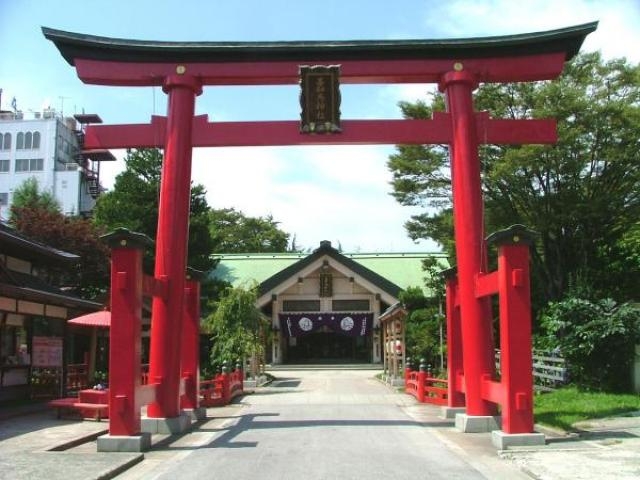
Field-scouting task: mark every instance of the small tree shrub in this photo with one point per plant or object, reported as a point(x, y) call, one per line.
point(597, 338)
point(422, 327)
point(236, 326)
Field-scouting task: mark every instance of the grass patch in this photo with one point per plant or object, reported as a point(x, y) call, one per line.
point(566, 406)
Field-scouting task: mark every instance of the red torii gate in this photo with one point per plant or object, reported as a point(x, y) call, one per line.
point(457, 66)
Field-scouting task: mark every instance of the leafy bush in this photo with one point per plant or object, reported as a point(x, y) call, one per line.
point(597, 338)
point(237, 326)
point(422, 327)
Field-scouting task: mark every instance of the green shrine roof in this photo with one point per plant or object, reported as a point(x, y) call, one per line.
point(402, 269)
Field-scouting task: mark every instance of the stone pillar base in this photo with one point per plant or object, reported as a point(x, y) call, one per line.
point(124, 443)
point(170, 425)
point(502, 440)
point(195, 414)
point(451, 412)
point(476, 424)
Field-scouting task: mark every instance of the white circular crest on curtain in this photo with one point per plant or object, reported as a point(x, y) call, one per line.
point(346, 323)
point(305, 324)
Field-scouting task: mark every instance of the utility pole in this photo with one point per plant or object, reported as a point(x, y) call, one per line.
point(62, 105)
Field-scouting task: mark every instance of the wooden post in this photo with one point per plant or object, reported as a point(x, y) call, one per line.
point(422, 377)
point(190, 364)
point(126, 317)
point(455, 397)
point(515, 328)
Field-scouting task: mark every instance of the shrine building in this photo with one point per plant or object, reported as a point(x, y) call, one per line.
point(325, 306)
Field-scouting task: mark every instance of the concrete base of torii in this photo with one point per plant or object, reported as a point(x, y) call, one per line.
point(171, 425)
point(476, 424)
point(124, 443)
point(196, 414)
point(503, 441)
point(451, 412)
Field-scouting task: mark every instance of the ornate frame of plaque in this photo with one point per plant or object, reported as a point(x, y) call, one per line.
point(320, 99)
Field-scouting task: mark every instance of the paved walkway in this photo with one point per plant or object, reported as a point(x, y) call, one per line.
point(37, 445)
point(301, 414)
point(315, 425)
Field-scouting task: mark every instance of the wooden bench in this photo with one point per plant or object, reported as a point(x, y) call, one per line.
point(63, 405)
point(97, 411)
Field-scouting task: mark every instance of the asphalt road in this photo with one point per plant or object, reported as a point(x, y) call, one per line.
point(311, 425)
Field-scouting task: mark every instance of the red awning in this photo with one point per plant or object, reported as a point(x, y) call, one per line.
point(95, 319)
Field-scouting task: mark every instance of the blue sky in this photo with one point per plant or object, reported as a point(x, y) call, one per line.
point(338, 193)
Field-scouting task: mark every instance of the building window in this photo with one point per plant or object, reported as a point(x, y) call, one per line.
point(350, 305)
point(301, 306)
point(27, 141)
point(36, 164)
point(22, 165)
point(5, 141)
point(4, 166)
point(29, 164)
point(4, 199)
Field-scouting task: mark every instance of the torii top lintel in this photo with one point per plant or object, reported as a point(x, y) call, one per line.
point(524, 57)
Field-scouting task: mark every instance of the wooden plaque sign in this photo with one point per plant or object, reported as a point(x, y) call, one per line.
point(320, 99)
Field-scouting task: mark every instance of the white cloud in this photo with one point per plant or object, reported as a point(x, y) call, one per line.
point(617, 33)
point(335, 193)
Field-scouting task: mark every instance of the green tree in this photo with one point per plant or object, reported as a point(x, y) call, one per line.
point(236, 325)
point(35, 215)
point(133, 203)
point(233, 232)
point(29, 195)
point(580, 195)
point(423, 323)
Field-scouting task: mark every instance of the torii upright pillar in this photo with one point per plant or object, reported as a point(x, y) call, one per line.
point(477, 331)
point(171, 251)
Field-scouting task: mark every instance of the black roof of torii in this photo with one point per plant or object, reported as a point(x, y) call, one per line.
point(76, 45)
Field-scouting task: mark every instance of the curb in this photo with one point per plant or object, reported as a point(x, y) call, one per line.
point(77, 441)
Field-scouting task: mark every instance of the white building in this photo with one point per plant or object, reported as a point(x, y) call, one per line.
point(48, 147)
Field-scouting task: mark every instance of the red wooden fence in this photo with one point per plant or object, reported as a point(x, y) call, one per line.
point(221, 389)
point(425, 388)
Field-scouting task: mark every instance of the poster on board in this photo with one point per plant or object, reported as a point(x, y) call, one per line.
point(47, 352)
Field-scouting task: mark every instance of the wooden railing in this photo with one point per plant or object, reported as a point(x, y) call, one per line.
point(425, 388)
point(549, 370)
point(222, 388)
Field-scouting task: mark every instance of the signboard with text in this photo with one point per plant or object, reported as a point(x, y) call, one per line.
point(47, 352)
point(320, 99)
